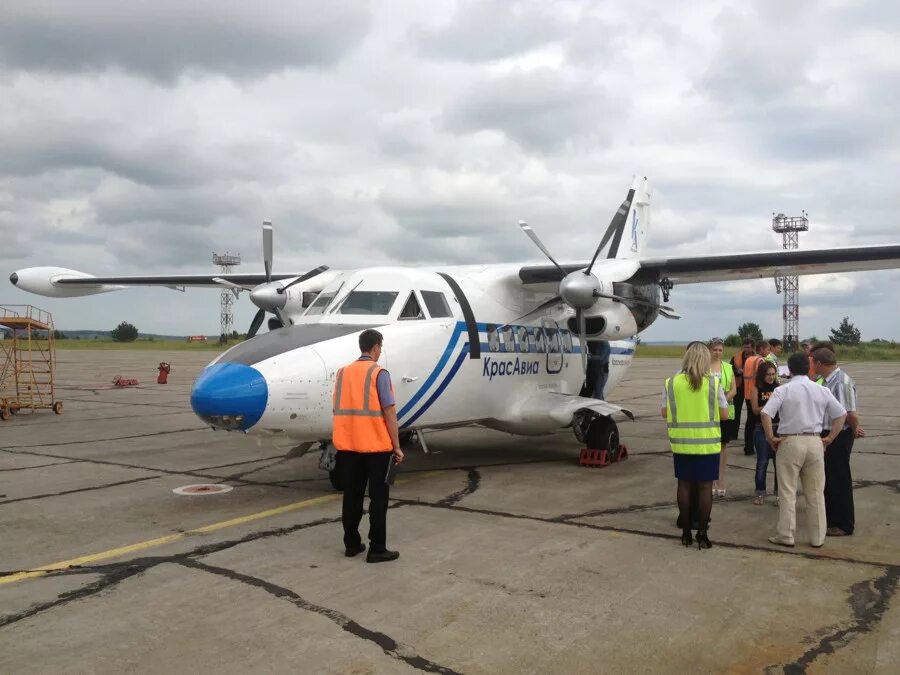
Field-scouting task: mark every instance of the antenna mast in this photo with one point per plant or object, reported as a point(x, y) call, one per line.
point(226, 262)
point(789, 228)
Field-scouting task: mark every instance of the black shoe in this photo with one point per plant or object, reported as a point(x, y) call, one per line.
point(702, 540)
point(686, 538)
point(356, 550)
point(382, 556)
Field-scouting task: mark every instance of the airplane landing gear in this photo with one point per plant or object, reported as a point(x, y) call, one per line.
point(601, 436)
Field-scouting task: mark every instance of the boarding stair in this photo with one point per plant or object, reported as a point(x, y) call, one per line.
point(27, 361)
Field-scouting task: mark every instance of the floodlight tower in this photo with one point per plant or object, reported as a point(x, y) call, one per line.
point(226, 262)
point(789, 227)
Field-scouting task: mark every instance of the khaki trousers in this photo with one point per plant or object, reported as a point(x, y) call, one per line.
point(801, 459)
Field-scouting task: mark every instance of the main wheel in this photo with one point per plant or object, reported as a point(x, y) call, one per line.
point(603, 434)
point(58, 407)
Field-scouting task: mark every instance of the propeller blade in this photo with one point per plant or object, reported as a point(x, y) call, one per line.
point(229, 284)
point(552, 301)
point(616, 226)
point(304, 277)
point(256, 323)
point(267, 249)
point(282, 317)
point(526, 228)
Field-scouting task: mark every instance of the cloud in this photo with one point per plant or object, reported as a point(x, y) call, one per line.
point(140, 137)
point(472, 32)
point(543, 110)
point(162, 39)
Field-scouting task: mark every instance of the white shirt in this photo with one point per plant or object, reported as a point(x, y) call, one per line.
point(802, 405)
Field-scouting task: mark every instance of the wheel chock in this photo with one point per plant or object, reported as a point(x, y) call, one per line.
point(601, 458)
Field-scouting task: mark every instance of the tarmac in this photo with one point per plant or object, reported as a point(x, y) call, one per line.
point(514, 559)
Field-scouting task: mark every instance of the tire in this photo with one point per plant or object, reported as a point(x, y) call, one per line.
point(603, 434)
point(58, 407)
point(13, 410)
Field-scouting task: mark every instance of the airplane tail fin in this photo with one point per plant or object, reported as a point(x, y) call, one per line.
point(637, 223)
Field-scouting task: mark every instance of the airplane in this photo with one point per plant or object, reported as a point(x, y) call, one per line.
point(502, 346)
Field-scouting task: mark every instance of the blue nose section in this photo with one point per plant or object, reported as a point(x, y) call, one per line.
point(230, 396)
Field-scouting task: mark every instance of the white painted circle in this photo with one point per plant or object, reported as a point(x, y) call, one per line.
point(201, 489)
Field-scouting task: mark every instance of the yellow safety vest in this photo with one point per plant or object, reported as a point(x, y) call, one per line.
point(692, 416)
point(727, 377)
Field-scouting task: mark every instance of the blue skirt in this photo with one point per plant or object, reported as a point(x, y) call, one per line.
point(696, 467)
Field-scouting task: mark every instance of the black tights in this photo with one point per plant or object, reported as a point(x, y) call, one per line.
point(694, 503)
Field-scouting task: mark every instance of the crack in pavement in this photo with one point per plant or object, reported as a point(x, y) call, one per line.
point(868, 601)
point(388, 644)
point(170, 472)
point(473, 481)
point(77, 490)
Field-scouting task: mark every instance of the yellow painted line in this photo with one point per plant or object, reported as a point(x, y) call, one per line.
point(162, 541)
point(178, 536)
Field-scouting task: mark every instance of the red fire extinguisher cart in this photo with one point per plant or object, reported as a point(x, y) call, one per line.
point(164, 370)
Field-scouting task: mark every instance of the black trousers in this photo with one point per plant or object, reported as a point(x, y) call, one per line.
point(738, 406)
point(749, 429)
point(358, 469)
point(839, 509)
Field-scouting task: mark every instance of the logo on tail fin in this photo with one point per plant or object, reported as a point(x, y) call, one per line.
point(634, 231)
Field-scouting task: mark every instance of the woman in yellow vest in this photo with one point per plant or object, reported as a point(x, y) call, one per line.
point(724, 374)
point(693, 406)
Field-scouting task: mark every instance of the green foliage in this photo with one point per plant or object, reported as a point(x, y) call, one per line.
point(846, 333)
point(733, 340)
point(59, 335)
point(124, 332)
point(751, 330)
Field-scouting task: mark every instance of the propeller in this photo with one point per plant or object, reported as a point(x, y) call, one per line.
point(270, 296)
point(580, 289)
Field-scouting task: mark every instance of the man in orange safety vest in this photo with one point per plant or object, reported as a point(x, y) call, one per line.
point(366, 436)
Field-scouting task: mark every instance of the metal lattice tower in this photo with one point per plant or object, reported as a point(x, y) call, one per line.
point(226, 262)
point(789, 227)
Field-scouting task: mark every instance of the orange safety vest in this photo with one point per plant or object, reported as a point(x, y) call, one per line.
point(359, 425)
point(750, 365)
point(812, 370)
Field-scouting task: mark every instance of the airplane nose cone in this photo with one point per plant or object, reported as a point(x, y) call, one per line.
point(13, 278)
point(230, 396)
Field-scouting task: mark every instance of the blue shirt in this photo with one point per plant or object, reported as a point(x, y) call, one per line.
point(383, 385)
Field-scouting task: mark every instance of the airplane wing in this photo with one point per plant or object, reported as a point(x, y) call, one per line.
point(178, 280)
point(731, 267)
point(562, 407)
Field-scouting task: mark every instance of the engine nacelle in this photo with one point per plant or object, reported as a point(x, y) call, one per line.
point(44, 281)
point(606, 320)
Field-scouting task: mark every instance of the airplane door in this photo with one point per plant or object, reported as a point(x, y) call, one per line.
point(554, 345)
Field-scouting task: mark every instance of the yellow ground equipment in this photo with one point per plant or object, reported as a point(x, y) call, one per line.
point(27, 361)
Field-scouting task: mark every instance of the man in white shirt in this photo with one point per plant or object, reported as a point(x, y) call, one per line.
point(800, 448)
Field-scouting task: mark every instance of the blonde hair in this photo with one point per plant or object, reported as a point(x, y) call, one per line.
point(695, 363)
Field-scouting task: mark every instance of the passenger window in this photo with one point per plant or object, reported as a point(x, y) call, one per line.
point(522, 337)
point(411, 310)
point(539, 345)
point(436, 304)
point(566, 341)
point(509, 339)
point(553, 340)
point(493, 338)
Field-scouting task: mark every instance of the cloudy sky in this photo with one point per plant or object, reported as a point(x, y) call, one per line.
point(138, 137)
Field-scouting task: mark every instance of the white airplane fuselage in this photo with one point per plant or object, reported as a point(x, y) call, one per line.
point(477, 358)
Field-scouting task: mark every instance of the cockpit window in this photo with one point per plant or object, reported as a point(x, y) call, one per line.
point(368, 302)
point(411, 309)
point(436, 304)
point(321, 302)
